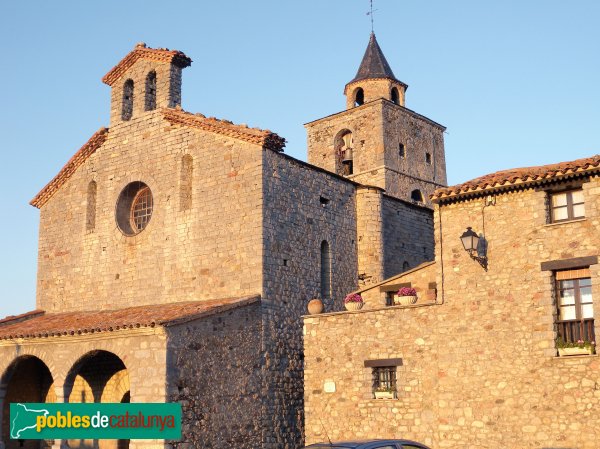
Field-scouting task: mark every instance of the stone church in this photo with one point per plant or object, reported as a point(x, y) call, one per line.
point(177, 253)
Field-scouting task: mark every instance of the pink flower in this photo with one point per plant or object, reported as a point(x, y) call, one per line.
point(407, 291)
point(353, 297)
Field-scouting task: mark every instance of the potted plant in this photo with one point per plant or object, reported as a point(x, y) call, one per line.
point(580, 347)
point(353, 301)
point(405, 296)
point(384, 392)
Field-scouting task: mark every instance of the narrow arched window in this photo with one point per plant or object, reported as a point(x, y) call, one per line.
point(325, 270)
point(416, 195)
point(150, 100)
point(395, 96)
point(127, 110)
point(185, 184)
point(90, 216)
point(359, 97)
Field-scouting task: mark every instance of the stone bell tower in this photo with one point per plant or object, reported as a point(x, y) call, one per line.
point(377, 141)
point(144, 80)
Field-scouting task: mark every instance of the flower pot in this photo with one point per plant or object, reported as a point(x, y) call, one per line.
point(315, 306)
point(354, 305)
point(404, 300)
point(574, 351)
point(384, 395)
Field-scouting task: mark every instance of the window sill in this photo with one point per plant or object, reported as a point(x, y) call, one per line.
point(577, 220)
point(574, 357)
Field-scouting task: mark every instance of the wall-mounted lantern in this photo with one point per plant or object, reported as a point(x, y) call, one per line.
point(475, 246)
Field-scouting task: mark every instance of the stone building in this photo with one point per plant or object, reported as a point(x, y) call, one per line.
point(478, 361)
point(177, 253)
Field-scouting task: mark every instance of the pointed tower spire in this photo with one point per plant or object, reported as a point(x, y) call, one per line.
point(374, 79)
point(374, 64)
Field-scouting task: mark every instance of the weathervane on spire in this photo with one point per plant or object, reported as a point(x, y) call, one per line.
point(370, 13)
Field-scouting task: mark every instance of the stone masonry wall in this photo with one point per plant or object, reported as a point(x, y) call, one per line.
point(370, 235)
point(168, 88)
point(420, 278)
point(215, 370)
point(378, 128)
point(373, 89)
point(479, 369)
point(365, 124)
point(420, 137)
point(407, 235)
point(296, 221)
point(212, 249)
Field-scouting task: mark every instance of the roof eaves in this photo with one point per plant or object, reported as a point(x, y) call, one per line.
point(140, 51)
point(12, 319)
point(70, 167)
point(472, 189)
point(264, 138)
point(214, 311)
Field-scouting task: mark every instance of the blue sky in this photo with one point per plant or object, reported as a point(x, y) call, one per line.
point(514, 81)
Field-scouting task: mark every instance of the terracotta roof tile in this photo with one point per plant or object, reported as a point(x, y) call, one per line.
point(38, 324)
point(65, 173)
point(257, 136)
point(142, 52)
point(518, 178)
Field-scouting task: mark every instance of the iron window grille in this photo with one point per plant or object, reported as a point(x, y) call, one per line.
point(141, 209)
point(384, 379)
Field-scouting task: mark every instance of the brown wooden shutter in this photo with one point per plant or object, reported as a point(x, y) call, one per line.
point(573, 274)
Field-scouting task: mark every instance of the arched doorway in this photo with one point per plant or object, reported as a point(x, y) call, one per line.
point(98, 376)
point(27, 379)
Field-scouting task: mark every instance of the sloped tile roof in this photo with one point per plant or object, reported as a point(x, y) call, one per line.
point(519, 177)
point(70, 167)
point(142, 52)
point(265, 138)
point(38, 324)
point(374, 65)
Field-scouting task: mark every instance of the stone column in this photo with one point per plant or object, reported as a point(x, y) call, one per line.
point(369, 228)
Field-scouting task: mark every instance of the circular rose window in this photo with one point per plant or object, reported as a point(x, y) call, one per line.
point(134, 208)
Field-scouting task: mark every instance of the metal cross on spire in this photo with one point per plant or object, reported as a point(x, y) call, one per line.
point(370, 13)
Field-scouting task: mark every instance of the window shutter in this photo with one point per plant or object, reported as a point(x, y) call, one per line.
point(573, 274)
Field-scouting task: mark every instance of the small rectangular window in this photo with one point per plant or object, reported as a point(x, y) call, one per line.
point(401, 151)
point(384, 382)
point(565, 206)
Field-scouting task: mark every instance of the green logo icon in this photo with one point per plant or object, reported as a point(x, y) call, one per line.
point(46, 421)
